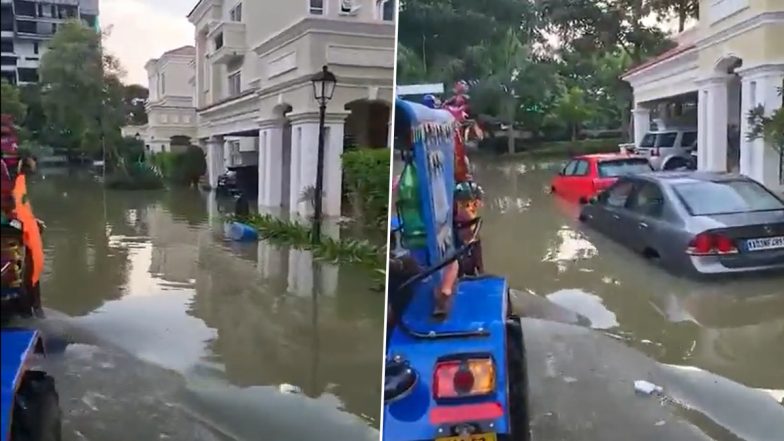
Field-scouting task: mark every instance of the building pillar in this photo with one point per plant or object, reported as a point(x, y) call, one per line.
point(304, 147)
point(270, 164)
point(713, 119)
point(642, 122)
point(760, 160)
point(216, 163)
point(333, 167)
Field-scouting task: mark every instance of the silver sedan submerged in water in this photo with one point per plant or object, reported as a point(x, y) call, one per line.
point(694, 222)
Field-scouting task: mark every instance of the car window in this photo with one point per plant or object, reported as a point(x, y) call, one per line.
point(666, 140)
point(617, 195)
point(621, 167)
point(581, 169)
point(569, 169)
point(689, 139)
point(648, 140)
point(703, 198)
point(648, 200)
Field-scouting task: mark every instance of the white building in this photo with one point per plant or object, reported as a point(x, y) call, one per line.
point(731, 62)
point(170, 110)
point(26, 28)
point(254, 60)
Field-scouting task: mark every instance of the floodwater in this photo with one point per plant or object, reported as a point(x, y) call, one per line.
point(729, 333)
point(173, 333)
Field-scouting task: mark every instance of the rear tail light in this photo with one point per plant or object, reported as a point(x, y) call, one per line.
point(461, 378)
point(711, 244)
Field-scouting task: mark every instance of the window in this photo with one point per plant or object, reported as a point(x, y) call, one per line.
point(316, 7)
point(27, 75)
point(689, 139)
point(703, 198)
point(666, 140)
point(234, 84)
point(617, 195)
point(218, 41)
point(236, 13)
point(620, 167)
point(569, 169)
point(385, 10)
point(648, 200)
point(7, 46)
point(8, 61)
point(162, 84)
point(582, 168)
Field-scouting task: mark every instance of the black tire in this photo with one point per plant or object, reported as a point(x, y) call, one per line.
point(519, 419)
point(676, 163)
point(37, 415)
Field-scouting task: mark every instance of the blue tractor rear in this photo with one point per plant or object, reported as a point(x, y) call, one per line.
point(460, 376)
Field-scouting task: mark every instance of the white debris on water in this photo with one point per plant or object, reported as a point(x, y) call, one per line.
point(286, 388)
point(647, 388)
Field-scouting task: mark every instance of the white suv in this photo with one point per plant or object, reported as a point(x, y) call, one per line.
point(670, 148)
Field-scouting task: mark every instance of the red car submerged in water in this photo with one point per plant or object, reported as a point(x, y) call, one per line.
point(585, 176)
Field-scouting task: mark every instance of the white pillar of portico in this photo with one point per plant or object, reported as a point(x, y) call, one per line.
point(304, 160)
point(758, 159)
point(712, 120)
point(271, 164)
point(642, 122)
point(216, 162)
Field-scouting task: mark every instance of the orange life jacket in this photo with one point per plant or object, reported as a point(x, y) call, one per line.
point(31, 233)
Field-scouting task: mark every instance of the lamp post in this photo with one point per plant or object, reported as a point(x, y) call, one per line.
point(323, 88)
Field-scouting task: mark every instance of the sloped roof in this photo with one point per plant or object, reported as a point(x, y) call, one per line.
point(686, 41)
point(184, 50)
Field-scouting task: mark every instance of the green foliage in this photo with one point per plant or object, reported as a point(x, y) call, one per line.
point(181, 168)
point(770, 128)
point(135, 98)
point(298, 235)
point(366, 180)
point(572, 109)
point(136, 176)
point(12, 103)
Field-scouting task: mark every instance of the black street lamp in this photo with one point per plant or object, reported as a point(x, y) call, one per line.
point(323, 88)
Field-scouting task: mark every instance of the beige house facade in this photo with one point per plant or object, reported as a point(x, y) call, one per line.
point(252, 90)
point(731, 62)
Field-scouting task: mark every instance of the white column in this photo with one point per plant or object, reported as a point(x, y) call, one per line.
point(305, 148)
point(270, 164)
point(333, 167)
point(712, 124)
point(270, 260)
point(759, 160)
point(294, 172)
point(300, 275)
point(642, 122)
point(215, 160)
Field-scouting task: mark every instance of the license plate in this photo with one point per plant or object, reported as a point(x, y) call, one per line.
point(475, 437)
point(765, 243)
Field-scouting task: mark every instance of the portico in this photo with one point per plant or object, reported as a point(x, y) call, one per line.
point(727, 65)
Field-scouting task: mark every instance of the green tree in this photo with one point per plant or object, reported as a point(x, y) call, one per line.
point(571, 108)
point(770, 128)
point(12, 102)
point(135, 97)
point(682, 10)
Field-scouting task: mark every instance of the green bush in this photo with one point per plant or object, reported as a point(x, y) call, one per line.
point(181, 168)
point(366, 182)
point(137, 176)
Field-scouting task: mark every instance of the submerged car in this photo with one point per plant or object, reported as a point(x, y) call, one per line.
point(693, 222)
point(586, 175)
point(227, 182)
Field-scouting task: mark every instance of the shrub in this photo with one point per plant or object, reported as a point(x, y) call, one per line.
point(181, 168)
point(366, 179)
point(137, 176)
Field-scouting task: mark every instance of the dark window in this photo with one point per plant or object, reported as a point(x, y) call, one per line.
point(32, 58)
point(388, 10)
point(666, 139)
point(24, 8)
point(648, 140)
point(8, 76)
point(27, 75)
point(27, 27)
point(317, 7)
point(89, 20)
point(6, 19)
point(621, 167)
point(219, 41)
point(703, 198)
point(7, 46)
point(8, 61)
point(617, 195)
point(569, 169)
point(35, 48)
point(689, 139)
point(236, 13)
point(582, 168)
point(648, 200)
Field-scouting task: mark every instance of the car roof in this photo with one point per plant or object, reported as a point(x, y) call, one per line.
point(686, 177)
point(607, 156)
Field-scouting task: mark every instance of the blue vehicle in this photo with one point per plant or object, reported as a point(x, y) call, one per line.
point(460, 376)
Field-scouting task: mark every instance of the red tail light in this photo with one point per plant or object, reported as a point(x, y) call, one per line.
point(710, 244)
point(459, 378)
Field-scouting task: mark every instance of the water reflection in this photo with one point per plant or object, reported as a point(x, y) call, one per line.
point(150, 273)
point(730, 328)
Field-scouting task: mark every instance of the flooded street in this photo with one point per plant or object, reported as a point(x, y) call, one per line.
point(716, 344)
point(173, 333)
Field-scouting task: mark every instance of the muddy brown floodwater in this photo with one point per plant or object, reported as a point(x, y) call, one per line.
point(730, 329)
point(167, 331)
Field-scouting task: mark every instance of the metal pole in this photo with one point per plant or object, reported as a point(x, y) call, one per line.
point(319, 171)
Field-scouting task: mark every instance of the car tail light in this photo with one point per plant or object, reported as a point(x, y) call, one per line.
point(711, 244)
point(460, 378)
